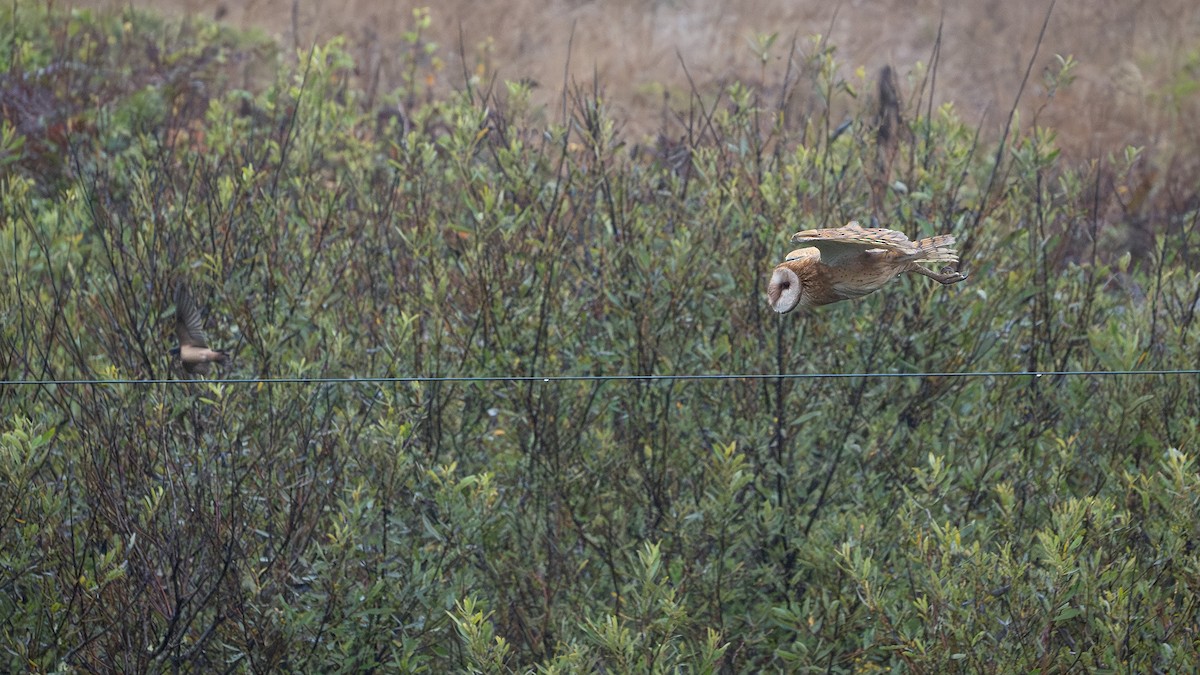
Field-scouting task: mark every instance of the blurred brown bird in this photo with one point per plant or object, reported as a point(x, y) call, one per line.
point(849, 262)
point(193, 350)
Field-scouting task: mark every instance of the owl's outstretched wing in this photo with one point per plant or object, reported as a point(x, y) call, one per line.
point(840, 245)
point(808, 252)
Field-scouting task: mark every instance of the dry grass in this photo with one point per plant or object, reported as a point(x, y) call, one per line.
point(1135, 85)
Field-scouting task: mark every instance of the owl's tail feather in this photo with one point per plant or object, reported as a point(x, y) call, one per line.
point(936, 250)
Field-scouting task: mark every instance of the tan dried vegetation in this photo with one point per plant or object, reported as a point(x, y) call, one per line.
point(1135, 82)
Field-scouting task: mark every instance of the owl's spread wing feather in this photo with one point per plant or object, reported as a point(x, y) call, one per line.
point(799, 253)
point(189, 327)
point(842, 244)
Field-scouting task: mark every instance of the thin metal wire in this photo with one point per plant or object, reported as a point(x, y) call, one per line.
point(420, 379)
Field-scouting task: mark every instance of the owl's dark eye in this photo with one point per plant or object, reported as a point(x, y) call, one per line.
point(785, 286)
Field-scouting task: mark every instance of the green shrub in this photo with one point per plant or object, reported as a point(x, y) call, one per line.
point(924, 522)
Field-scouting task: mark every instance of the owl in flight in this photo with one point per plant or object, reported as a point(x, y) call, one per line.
point(852, 261)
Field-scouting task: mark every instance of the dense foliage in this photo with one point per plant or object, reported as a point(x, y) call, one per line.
point(926, 523)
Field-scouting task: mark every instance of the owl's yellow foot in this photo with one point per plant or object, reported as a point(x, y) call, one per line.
point(948, 275)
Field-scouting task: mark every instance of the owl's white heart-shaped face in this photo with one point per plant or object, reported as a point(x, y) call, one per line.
point(783, 291)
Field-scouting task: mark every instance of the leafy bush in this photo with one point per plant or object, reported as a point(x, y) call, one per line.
point(910, 519)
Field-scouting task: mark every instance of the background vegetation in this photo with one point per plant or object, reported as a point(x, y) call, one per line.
point(1135, 80)
point(854, 524)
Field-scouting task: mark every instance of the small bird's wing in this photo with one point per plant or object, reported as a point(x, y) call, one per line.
point(189, 328)
point(842, 244)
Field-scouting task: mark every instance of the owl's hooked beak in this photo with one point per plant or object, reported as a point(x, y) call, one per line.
point(784, 290)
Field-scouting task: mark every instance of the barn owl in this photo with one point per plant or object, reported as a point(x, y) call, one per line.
point(852, 261)
point(193, 349)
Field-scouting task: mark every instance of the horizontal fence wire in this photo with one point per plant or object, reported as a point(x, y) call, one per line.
point(423, 379)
